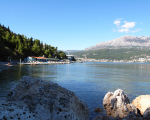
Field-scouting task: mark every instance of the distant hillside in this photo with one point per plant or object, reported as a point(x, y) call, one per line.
point(124, 41)
point(15, 46)
point(115, 54)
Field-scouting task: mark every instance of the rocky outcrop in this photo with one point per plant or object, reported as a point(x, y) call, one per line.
point(118, 104)
point(37, 99)
point(143, 104)
point(118, 107)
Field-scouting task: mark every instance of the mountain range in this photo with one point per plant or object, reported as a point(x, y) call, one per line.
point(124, 41)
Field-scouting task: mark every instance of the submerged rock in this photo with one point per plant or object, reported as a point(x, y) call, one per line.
point(118, 104)
point(98, 110)
point(103, 118)
point(143, 104)
point(44, 100)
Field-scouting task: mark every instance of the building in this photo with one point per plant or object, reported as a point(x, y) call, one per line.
point(30, 59)
point(39, 59)
point(70, 57)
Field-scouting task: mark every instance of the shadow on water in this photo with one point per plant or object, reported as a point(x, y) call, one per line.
point(90, 81)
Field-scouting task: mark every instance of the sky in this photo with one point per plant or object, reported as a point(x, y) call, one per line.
point(76, 24)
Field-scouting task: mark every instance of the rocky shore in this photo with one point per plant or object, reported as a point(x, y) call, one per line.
point(119, 107)
point(35, 99)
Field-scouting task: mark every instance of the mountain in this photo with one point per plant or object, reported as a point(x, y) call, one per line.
point(124, 41)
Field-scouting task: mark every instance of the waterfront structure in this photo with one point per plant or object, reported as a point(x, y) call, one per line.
point(32, 60)
point(40, 59)
point(70, 57)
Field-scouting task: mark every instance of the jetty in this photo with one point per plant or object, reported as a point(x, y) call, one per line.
point(32, 60)
point(43, 63)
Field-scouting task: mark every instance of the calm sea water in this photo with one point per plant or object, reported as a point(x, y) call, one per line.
point(89, 81)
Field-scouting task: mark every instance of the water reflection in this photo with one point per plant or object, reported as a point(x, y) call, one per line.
point(89, 81)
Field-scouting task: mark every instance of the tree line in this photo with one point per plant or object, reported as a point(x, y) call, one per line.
point(19, 46)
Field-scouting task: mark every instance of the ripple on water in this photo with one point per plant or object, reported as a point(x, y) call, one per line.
point(89, 81)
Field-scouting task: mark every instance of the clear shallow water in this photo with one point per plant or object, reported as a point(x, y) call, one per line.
point(90, 81)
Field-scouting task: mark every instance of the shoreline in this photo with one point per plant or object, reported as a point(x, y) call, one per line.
point(3, 65)
point(15, 66)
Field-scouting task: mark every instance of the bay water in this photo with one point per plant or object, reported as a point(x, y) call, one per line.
point(89, 81)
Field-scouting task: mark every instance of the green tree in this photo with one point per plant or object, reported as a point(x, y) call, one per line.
point(37, 42)
point(49, 56)
point(13, 39)
point(8, 37)
point(46, 46)
point(8, 29)
point(46, 53)
point(17, 40)
point(36, 49)
point(1, 34)
point(31, 42)
point(20, 48)
point(62, 55)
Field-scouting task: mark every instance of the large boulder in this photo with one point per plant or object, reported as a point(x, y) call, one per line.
point(38, 99)
point(143, 104)
point(118, 104)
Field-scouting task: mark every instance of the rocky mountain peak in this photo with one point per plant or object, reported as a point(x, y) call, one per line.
point(124, 41)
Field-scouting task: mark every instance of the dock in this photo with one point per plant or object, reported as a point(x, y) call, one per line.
point(43, 63)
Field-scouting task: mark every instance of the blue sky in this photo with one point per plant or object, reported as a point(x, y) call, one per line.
point(76, 24)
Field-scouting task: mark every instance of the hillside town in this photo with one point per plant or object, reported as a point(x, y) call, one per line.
point(141, 60)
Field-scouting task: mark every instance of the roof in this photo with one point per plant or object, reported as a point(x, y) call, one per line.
point(40, 57)
point(44, 58)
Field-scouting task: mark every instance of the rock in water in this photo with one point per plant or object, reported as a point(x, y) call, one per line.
point(118, 104)
point(143, 104)
point(47, 100)
point(98, 110)
point(104, 118)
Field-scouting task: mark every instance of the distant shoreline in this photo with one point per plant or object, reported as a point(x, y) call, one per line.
point(4, 65)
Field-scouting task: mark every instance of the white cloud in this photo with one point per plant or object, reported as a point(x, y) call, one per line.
point(136, 30)
point(124, 30)
point(128, 25)
point(117, 22)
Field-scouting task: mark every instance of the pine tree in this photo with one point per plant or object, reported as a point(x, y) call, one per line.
point(8, 37)
point(49, 56)
point(36, 49)
point(20, 48)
